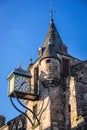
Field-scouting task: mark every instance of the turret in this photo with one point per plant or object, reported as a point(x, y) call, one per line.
point(50, 66)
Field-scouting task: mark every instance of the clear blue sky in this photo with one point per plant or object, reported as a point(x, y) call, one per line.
point(23, 27)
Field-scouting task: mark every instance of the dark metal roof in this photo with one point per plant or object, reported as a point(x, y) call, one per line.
point(20, 71)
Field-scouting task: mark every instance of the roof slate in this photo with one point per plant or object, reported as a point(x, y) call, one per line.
point(54, 36)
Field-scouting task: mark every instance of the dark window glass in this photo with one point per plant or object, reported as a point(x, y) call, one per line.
point(36, 74)
point(65, 67)
point(48, 61)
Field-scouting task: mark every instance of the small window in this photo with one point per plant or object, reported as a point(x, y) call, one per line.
point(48, 61)
point(65, 67)
point(36, 74)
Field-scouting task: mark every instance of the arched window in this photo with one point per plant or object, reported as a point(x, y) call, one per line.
point(65, 67)
point(36, 74)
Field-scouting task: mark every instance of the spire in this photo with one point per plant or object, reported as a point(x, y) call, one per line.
point(53, 35)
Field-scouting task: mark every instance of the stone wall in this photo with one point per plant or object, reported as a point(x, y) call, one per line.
point(73, 103)
point(59, 105)
point(5, 127)
point(80, 74)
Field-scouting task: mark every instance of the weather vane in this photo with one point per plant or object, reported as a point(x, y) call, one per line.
point(51, 10)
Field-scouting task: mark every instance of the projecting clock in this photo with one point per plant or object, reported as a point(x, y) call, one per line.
point(19, 83)
point(22, 84)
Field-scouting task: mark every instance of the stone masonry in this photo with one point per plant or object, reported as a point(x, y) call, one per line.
point(62, 83)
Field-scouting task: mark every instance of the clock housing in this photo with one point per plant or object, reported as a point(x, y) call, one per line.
point(19, 84)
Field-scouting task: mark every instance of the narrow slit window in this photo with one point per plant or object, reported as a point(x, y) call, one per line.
point(65, 67)
point(48, 61)
point(36, 74)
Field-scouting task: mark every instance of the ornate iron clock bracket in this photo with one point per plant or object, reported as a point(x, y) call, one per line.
point(22, 111)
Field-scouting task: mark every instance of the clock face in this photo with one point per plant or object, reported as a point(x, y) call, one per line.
point(22, 84)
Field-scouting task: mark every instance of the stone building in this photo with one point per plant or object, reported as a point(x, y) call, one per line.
point(18, 123)
point(59, 81)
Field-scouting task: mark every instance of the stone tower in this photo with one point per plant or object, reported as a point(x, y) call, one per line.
point(60, 80)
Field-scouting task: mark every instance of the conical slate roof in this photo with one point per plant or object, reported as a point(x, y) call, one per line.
point(54, 36)
point(49, 51)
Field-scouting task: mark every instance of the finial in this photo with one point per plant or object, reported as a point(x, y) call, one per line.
point(19, 65)
point(51, 11)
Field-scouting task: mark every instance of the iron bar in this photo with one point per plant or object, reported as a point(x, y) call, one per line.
point(20, 110)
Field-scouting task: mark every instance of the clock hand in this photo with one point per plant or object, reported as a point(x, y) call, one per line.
point(22, 84)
